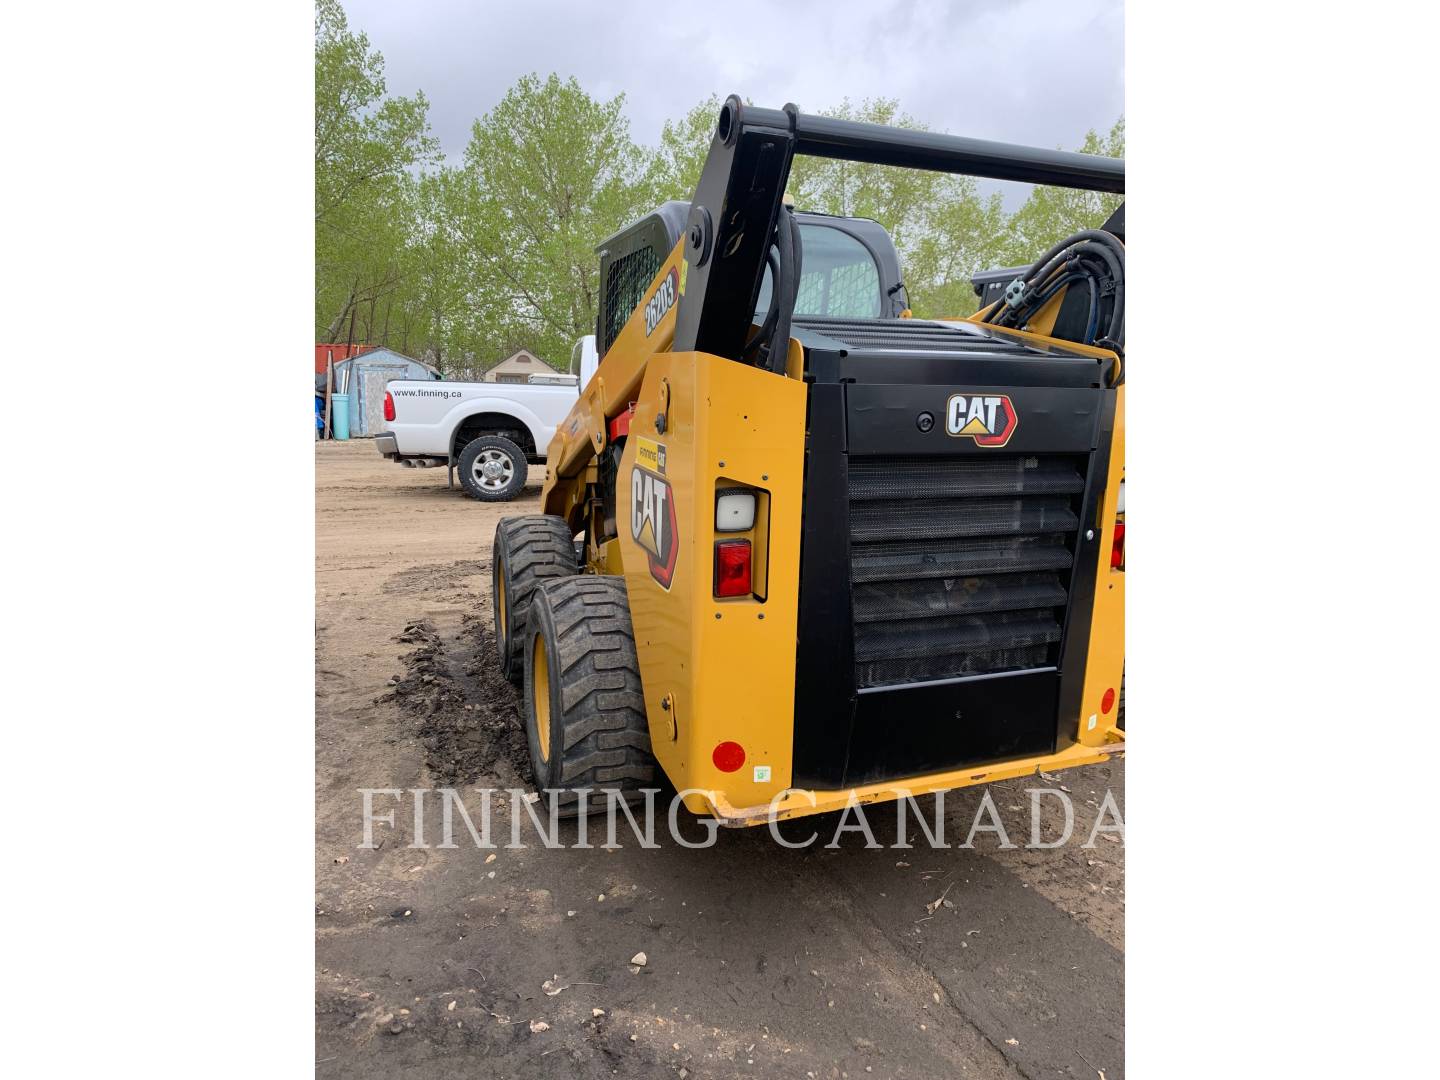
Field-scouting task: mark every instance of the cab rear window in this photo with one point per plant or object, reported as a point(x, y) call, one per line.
point(838, 277)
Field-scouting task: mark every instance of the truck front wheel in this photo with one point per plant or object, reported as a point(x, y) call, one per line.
point(492, 468)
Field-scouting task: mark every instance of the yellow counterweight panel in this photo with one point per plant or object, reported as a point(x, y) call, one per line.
point(1105, 662)
point(714, 670)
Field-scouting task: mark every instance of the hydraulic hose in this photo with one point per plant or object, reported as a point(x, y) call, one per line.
point(1116, 266)
point(1091, 255)
point(772, 313)
point(1097, 235)
point(787, 287)
point(783, 260)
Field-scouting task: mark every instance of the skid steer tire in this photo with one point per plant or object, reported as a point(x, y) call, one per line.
point(584, 706)
point(529, 551)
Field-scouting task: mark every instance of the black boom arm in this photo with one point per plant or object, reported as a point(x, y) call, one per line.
point(738, 200)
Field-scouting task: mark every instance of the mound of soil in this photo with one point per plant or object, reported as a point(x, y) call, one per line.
point(467, 713)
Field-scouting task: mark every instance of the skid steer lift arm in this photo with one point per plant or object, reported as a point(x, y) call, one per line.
point(734, 212)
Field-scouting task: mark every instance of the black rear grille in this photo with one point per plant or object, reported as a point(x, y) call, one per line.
point(961, 566)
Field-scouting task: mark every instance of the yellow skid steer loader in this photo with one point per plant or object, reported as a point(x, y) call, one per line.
point(798, 548)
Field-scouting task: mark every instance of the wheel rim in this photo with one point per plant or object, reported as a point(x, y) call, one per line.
point(503, 610)
point(540, 695)
point(493, 470)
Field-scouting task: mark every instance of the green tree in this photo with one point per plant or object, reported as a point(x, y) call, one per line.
point(963, 236)
point(942, 228)
point(366, 144)
point(550, 172)
point(465, 265)
point(430, 302)
point(1051, 214)
point(684, 145)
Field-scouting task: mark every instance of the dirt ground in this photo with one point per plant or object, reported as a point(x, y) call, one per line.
point(826, 964)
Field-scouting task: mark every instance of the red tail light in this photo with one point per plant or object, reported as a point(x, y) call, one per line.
point(732, 568)
point(389, 406)
point(1117, 553)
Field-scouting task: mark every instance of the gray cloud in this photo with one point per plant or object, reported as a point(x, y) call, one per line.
point(1041, 72)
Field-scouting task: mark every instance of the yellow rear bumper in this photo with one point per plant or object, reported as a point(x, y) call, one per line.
point(797, 802)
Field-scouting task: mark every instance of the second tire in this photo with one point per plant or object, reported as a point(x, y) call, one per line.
point(584, 705)
point(528, 552)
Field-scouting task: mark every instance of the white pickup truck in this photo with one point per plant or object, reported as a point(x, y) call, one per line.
point(489, 432)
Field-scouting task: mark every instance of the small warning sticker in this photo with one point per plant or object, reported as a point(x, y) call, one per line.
point(762, 774)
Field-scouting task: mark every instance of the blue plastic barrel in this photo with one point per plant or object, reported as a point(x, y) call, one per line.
point(340, 415)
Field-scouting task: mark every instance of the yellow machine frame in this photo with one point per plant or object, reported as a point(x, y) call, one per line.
point(719, 670)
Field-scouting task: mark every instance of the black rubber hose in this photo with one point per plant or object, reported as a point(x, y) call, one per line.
point(1113, 264)
point(1092, 317)
point(1097, 235)
point(1091, 277)
point(1117, 274)
point(1064, 274)
point(1024, 313)
point(788, 237)
point(1043, 267)
point(772, 313)
point(779, 291)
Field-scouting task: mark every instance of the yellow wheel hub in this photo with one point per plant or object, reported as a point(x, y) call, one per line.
point(504, 607)
point(540, 696)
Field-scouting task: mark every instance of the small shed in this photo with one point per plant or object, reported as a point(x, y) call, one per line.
point(518, 368)
point(368, 374)
point(326, 351)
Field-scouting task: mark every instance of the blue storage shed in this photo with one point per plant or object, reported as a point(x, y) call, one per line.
point(368, 374)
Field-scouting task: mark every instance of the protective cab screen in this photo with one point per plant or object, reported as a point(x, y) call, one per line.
point(838, 277)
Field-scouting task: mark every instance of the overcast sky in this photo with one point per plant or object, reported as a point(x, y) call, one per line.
point(1041, 72)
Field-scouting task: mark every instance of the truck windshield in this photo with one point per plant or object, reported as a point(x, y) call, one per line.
point(838, 277)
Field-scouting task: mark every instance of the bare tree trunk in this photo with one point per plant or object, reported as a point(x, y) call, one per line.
point(339, 320)
point(370, 323)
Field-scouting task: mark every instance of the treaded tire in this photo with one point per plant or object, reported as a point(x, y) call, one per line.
point(501, 448)
point(598, 737)
point(529, 551)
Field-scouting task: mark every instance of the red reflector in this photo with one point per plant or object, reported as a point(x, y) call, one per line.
point(728, 756)
point(732, 569)
point(1117, 553)
point(1108, 701)
point(389, 406)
